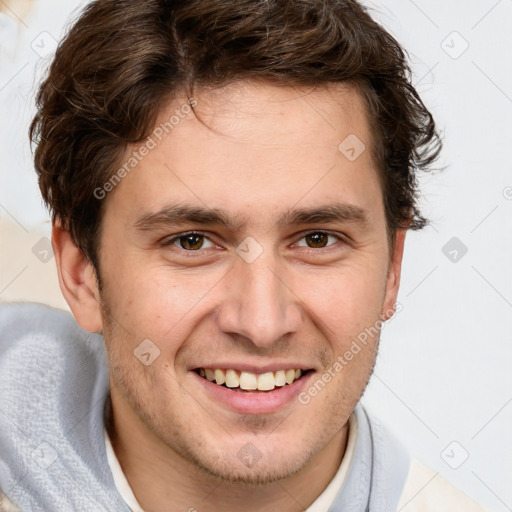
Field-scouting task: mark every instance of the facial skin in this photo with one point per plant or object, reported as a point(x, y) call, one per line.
point(301, 302)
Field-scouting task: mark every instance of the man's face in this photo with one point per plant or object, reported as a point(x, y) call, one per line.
point(269, 290)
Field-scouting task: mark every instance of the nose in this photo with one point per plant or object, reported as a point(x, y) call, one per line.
point(259, 304)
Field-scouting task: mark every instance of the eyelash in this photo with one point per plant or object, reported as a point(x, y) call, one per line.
point(171, 241)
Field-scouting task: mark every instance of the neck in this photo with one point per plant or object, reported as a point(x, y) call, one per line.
point(159, 477)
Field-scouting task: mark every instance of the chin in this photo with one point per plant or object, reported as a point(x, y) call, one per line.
point(248, 461)
point(257, 476)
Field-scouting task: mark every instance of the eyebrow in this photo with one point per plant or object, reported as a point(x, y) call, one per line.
point(179, 214)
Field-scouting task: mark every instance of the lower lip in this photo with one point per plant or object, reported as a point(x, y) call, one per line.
point(254, 403)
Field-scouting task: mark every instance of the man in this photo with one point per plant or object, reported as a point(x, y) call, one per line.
point(230, 184)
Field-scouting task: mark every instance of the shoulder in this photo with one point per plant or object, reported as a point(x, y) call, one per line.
point(53, 387)
point(28, 328)
point(26, 320)
point(427, 491)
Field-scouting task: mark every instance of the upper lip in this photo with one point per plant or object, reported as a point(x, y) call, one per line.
point(253, 368)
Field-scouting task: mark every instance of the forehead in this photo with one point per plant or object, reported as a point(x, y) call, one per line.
point(262, 113)
point(251, 147)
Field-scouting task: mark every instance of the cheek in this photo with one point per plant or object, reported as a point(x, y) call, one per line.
point(152, 298)
point(155, 303)
point(344, 302)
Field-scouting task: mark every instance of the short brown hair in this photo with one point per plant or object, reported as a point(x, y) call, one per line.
point(122, 59)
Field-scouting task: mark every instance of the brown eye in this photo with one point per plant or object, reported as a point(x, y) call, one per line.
point(317, 239)
point(191, 242)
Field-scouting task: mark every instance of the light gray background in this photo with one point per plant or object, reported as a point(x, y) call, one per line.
point(443, 379)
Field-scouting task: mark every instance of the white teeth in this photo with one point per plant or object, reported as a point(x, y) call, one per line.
point(266, 381)
point(220, 377)
point(248, 381)
point(280, 379)
point(251, 381)
point(232, 379)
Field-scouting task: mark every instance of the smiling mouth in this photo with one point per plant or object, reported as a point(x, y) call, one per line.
point(246, 382)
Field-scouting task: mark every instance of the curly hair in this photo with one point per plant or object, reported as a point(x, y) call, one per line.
point(122, 60)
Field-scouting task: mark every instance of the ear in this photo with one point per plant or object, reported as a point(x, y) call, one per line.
point(393, 277)
point(77, 280)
